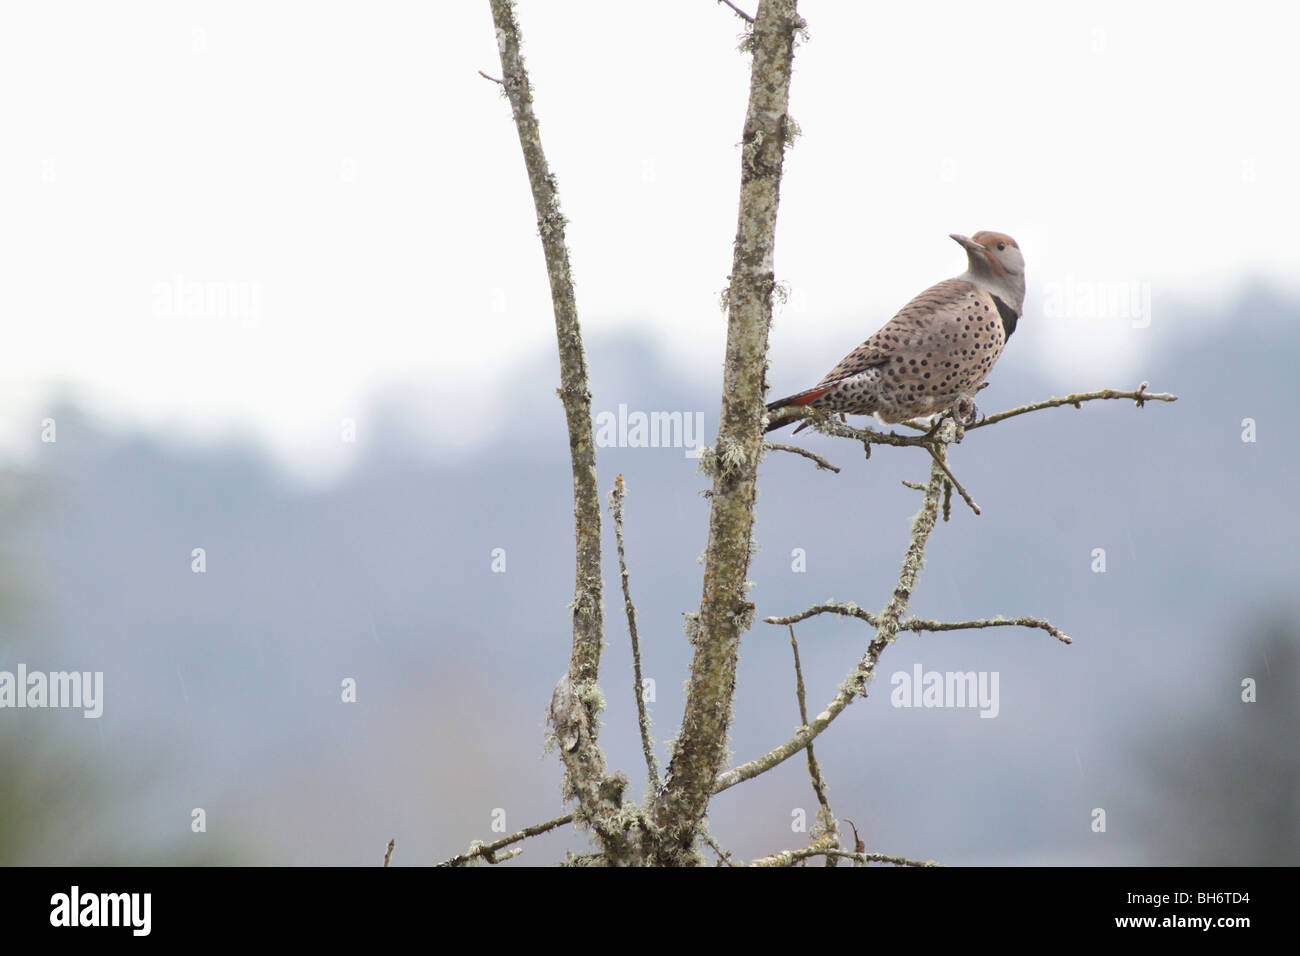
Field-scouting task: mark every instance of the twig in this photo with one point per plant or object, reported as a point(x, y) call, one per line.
point(859, 845)
point(822, 463)
point(868, 436)
point(724, 856)
point(825, 817)
point(823, 844)
point(918, 625)
point(879, 858)
point(932, 440)
point(1141, 396)
point(887, 627)
point(643, 719)
point(952, 482)
point(912, 624)
point(388, 854)
point(492, 78)
point(829, 425)
point(914, 485)
point(819, 848)
point(488, 850)
point(739, 12)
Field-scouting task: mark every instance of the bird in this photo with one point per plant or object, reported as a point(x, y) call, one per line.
point(935, 354)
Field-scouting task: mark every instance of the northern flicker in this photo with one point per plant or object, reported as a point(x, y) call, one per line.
point(936, 352)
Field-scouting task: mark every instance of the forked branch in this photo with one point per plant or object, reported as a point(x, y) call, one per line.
point(888, 625)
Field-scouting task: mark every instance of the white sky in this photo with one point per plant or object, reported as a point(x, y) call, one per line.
point(217, 217)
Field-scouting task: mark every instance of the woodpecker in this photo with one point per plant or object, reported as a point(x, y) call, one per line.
point(936, 352)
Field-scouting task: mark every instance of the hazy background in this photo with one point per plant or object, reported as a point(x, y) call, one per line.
point(228, 230)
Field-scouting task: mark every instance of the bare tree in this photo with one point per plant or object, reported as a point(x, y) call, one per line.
point(668, 829)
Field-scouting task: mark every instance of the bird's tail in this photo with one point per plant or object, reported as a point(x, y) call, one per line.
point(797, 400)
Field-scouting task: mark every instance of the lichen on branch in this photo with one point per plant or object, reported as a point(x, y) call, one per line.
point(725, 610)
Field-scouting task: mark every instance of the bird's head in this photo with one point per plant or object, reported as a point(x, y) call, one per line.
point(992, 253)
point(996, 264)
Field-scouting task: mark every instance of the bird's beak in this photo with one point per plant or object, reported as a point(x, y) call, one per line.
point(970, 245)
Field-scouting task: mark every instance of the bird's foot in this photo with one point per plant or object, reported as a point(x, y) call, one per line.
point(965, 411)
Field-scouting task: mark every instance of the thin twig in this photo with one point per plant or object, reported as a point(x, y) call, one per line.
point(1141, 396)
point(952, 480)
point(859, 845)
point(886, 632)
point(918, 625)
point(819, 848)
point(724, 856)
point(739, 12)
point(933, 437)
point(825, 817)
point(823, 844)
point(912, 624)
point(933, 441)
point(868, 436)
point(880, 858)
point(829, 425)
point(492, 78)
point(388, 854)
point(822, 463)
point(643, 719)
point(488, 850)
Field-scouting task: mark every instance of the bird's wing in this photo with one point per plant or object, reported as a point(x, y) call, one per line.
point(909, 328)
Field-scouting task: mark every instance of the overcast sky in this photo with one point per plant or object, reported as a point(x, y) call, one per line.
point(255, 216)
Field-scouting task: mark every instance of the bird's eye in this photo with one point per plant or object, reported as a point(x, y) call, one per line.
point(1001, 246)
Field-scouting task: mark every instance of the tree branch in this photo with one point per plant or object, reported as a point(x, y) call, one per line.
point(822, 463)
point(936, 440)
point(488, 850)
point(822, 844)
point(887, 627)
point(578, 694)
point(725, 610)
point(820, 848)
point(916, 624)
point(825, 818)
point(828, 425)
point(878, 858)
point(1141, 396)
point(938, 457)
point(724, 856)
point(739, 12)
point(643, 719)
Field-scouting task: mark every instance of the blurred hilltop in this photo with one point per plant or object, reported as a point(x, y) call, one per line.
point(222, 688)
